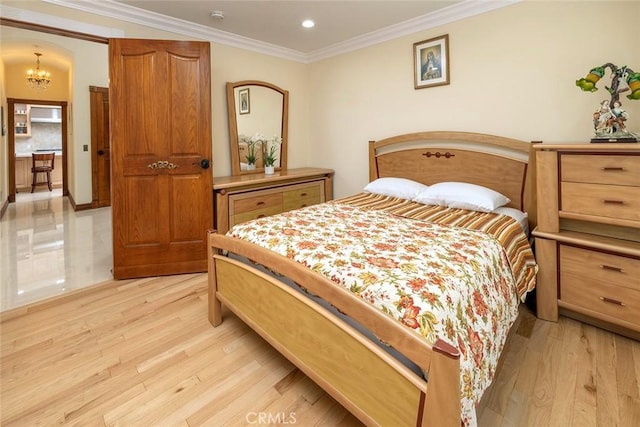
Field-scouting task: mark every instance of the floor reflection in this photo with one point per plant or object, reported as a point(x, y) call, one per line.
point(47, 249)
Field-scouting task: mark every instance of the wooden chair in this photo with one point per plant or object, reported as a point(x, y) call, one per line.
point(42, 163)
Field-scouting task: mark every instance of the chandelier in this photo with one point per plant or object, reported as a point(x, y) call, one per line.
point(38, 79)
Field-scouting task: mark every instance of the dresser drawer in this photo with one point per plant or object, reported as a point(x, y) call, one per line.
point(305, 191)
point(256, 202)
point(303, 196)
point(601, 169)
point(255, 214)
point(611, 300)
point(614, 201)
point(250, 196)
point(600, 266)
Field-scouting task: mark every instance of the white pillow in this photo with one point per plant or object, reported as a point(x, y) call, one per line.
point(462, 195)
point(396, 187)
point(516, 214)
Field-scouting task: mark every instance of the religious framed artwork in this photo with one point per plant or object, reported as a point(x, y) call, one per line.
point(431, 62)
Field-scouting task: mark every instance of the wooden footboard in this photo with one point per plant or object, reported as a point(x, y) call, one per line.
point(366, 380)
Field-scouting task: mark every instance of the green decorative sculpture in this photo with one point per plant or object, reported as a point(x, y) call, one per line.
point(609, 119)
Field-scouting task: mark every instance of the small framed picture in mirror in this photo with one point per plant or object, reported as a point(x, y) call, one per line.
point(244, 106)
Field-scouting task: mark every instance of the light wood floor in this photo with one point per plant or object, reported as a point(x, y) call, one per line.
point(141, 353)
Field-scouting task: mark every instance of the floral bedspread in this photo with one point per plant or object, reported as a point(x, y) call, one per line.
point(440, 281)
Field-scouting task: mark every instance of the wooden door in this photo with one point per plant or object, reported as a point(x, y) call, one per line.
point(160, 114)
point(100, 150)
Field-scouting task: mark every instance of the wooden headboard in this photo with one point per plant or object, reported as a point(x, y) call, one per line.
point(502, 164)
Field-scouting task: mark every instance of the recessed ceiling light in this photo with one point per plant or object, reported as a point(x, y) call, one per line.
point(308, 23)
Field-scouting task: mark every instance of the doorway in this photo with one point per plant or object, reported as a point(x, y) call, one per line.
point(100, 147)
point(21, 127)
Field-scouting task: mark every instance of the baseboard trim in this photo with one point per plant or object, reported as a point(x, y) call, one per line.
point(76, 207)
point(3, 209)
point(36, 306)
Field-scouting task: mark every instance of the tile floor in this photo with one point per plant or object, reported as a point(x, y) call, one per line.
point(47, 249)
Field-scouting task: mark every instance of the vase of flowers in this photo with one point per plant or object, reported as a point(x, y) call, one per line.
point(271, 154)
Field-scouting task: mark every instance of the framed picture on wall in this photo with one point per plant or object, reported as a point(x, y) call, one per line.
point(243, 96)
point(431, 62)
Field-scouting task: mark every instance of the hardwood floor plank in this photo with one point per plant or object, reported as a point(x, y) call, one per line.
point(497, 395)
point(565, 387)
point(489, 417)
point(546, 379)
point(239, 405)
point(48, 352)
point(627, 382)
point(530, 362)
point(635, 350)
point(629, 411)
point(142, 352)
point(517, 411)
point(39, 408)
point(606, 382)
point(320, 411)
point(584, 413)
point(336, 415)
point(149, 404)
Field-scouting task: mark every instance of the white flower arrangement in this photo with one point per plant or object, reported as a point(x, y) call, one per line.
point(251, 147)
point(271, 155)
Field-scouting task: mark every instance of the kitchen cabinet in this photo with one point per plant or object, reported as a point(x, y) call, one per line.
point(22, 120)
point(24, 176)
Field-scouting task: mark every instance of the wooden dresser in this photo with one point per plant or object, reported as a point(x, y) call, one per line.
point(587, 239)
point(245, 197)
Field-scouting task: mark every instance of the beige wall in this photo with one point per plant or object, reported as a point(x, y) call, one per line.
point(89, 67)
point(230, 65)
point(227, 64)
point(513, 73)
point(17, 87)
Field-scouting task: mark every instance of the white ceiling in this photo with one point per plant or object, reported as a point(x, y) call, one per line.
point(279, 22)
point(269, 26)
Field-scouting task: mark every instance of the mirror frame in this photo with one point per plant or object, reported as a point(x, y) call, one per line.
point(233, 126)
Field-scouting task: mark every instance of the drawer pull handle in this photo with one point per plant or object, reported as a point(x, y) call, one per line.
point(610, 169)
point(609, 267)
point(303, 194)
point(612, 301)
point(613, 202)
point(260, 203)
point(438, 154)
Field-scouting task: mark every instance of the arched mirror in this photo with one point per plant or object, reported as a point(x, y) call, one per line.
point(258, 124)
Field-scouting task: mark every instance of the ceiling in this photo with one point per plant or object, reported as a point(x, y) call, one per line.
point(269, 26)
point(279, 22)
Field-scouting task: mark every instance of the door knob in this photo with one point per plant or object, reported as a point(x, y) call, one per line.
point(204, 163)
point(100, 152)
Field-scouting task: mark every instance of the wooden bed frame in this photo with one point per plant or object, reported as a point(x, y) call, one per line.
point(365, 379)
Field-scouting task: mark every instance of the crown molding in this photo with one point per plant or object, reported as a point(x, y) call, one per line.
point(455, 12)
point(58, 22)
point(158, 21)
point(126, 13)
